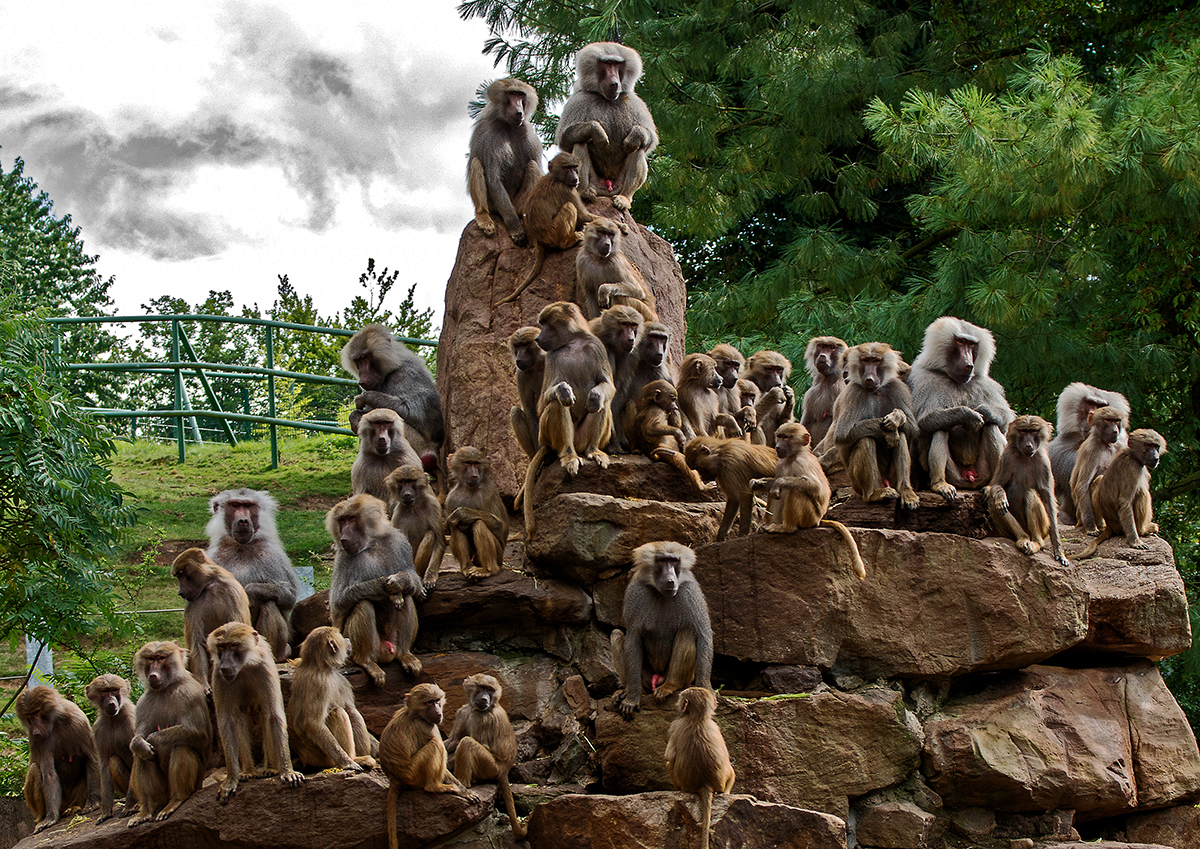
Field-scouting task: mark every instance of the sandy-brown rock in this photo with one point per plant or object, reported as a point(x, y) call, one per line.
point(1099, 741)
point(894, 825)
point(668, 821)
point(475, 374)
point(965, 517)
point(931, 604)
point(1178, 827)
point(627, 476)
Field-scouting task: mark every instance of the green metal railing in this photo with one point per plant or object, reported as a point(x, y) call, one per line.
point(184, 361)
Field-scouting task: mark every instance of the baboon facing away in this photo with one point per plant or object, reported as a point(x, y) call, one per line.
point(697, 759)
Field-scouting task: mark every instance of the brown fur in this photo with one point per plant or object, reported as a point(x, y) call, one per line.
point(1021, 495)
point(1107, 434)
point(417, 513)
point(505, 158)
point(770, 371)
point(64, 771)
point(382, 449)
point(733, 464)
point(697, 759)
point(730, 363)
point(620, 329)
point(1075, 404)
point(113, 730)
point(748, 396)
point(605, 277)
point(213, 598)
point(476, 518)
point(1121, 496)
point(699, 401)
point(530, 362)
point(823, 359)
point(653, 424)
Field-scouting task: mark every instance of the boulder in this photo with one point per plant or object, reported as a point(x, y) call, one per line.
point(1099, 741)
point(966, 517)
point(931, 604)
point(475, 375)
point(1178, 827)
point(894, 825)
point(669, 821)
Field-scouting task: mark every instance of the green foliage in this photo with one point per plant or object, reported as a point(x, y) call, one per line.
point(60, 511)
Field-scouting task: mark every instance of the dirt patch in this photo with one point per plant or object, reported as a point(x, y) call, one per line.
point(323, 503)
point(166, 553)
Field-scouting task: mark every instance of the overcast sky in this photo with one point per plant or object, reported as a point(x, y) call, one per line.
point(210, 145)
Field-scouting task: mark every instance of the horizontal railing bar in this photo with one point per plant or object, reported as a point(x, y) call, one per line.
point(230, 367)
point(214, 414)
point(231, 319)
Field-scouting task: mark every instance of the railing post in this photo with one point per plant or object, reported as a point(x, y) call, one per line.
point(40, 658)
point(271, 395)
point(178, 389)
point(246, 409)
point(133, 429)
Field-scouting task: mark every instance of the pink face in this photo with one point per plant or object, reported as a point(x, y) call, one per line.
point(609, 78)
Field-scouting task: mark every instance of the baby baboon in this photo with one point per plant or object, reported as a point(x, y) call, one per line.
point(530, 361)
point(482, 744)
point(654, 428)
point(699, 403)
point(1107, 428)
point(605, 277)
point(874, 425)
point(326, 729)
point(1121, 496)
point(823, 359)
point(729, 366)
point(1021, 495)
point(748, 396)
point(800, 491)
point(113, 730)
point(769, 371)
point(417, 513)
point(64, 767)
point(667, 642)
point(382, 449)
point(697, 759)
point(733, 464)
point(505, 156)
point(213, 598)
point(476, 518)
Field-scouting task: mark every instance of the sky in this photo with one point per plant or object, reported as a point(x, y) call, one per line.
point(216, 145)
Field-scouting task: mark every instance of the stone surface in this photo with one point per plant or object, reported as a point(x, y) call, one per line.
point(1099, 741)
point(628, 476)
point(475, 375)
point(668, 821)
point(812, 751)
point(1178, 827)
point(966, 517)
point(931, 604)
point(893, 825)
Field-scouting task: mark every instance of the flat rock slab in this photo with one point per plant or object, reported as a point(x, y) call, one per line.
point(1178, 827)
point(966, 517)
point(669, 821)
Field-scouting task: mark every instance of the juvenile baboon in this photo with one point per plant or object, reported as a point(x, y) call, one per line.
point(699, 403)
point(1121, 496)
point(961, 412)
point(554, 214)
point(324, 725)
point(505, 156)
point(574, 410)
point(417, 513)
point(476, 518)
point(482, 745)
point(667, 642)
point(697, 759)
point(173, 733)
point(733, 464)
point(245, 682)
point(530, 361)
point(605, 277)
point(373, 585)
point(800, 491)
point(730, 363)
point(242, 538)
point(412, 753)
point(394, 378)
point(64, 767)
point(1075, 405)
point(874, 425)
point(382, 449)
point(1107, 428)
point(650, 358)
point(769, 371)
point(653, 424)
point(746, 415)
point(823, 359)
point(112, 731)
point(1021, 495)
point(213, 598)
point(620, 329)
point(606, 124)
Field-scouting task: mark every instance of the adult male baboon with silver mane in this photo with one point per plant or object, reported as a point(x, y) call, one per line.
point(606, 125)
point(506, 156)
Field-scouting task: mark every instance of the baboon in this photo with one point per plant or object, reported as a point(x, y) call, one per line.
point(874, 426)
point(699, 403)
point(730, 363)
point(746, 415)
point(417, 513)
point(697, 759)
point(650, 358)
point(574, 411)
point(1121, 496)
point(667, 643)
point(476, 518)
point(1075, 404)
point(769, 371)
point(605, 277)
point(554, 214)
point(393, 377)
point(324, 725)
point(733, 464)
point(482, 745)
point(606, 124)
point(382, 449)
point(112, 731)
point(213, 598)
point(653, 425)
point(244, 682)
point(505, 156)
point(373, 585)
point(823, 359)
point(961, 412)
point(1107, 429)
point(530, 361)
point(800, 491)
point(1020, 497)
point(412, 753)
point(243, 539)
point(64, 771)
point(173, 733)
point(620, 329)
